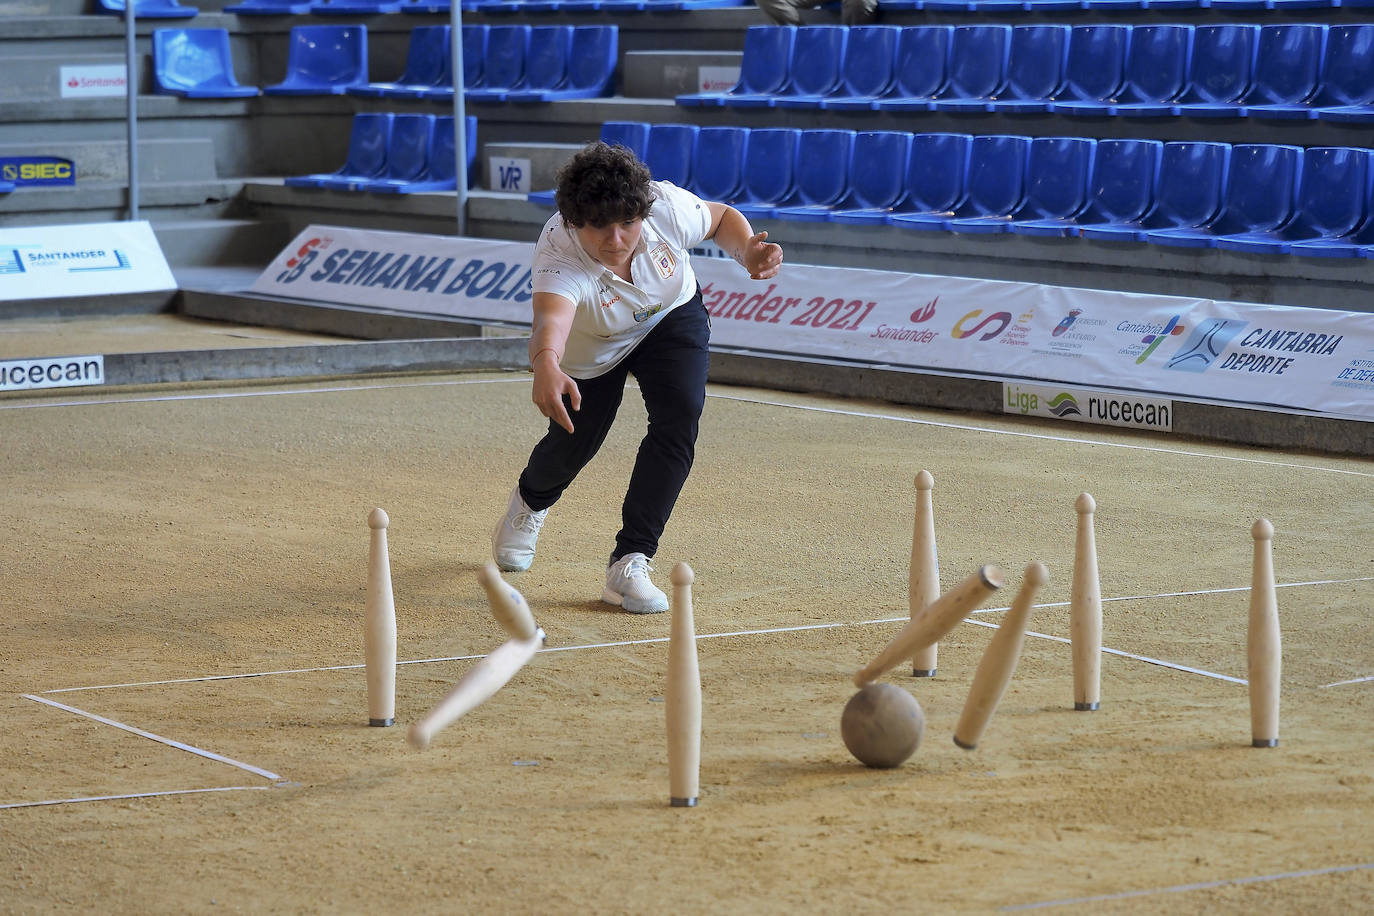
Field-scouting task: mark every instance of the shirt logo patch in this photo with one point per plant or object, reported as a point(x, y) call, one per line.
point(663, 259)
point(609, 297)
point(644, 314)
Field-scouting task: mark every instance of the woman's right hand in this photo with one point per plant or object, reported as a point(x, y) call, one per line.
point(551, 384)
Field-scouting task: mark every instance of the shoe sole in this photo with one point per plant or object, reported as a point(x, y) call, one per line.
point(633, 607)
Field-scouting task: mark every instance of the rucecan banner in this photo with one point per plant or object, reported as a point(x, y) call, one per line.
point(1309, 359)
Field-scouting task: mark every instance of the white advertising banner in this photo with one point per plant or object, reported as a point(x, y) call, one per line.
point(425, 274)
point(51, 372)
point(1310, 359)
point(87, 81)
point(44, 262)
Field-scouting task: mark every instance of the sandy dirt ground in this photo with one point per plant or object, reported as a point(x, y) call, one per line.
point(189, 565)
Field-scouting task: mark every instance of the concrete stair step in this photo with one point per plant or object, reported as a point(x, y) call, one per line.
point(40, 76)
point(108, 160)
point(545, 159)
point(209, 242)
point(667, 74)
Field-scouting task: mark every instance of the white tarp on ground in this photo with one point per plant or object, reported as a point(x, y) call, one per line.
point(1309, 359)
point(90, 259)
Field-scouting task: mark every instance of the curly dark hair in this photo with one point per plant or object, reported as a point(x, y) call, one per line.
point(601, 185)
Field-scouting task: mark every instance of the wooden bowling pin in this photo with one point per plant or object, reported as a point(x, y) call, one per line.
point(934, 622)
point(682, 698)
point(998, 662)
point(379, 629)
point(1085, 611)
point(923, 575)
point(1262, 641)
point(480, 684)
point(507, 605)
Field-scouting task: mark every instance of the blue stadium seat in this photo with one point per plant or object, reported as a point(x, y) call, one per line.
point(921, 69)
point(1347, 86)
point(977, 65)
point(1223, 66)
point(718, 163)
point(432, 167)
point(474, 58)
point(875, 181)
point(1121, 191)
point(1288, 69)
point(503, 68)
point(1192, 176)
point(815, 69)
point(763, 69)
point(1333, 193)
point(546, 63)
point(590, 69)
point(1035, 69)
point(443, 161)
point(324, 60)
point(633, 135)
point(267, 8)
point(1261, 190)
point(870, 57)
point(824, 158)
point(1039, 46)
point(669, 152)
point(936, 181)
point(932, 182)
point(770, 172)
point(149, 9)
point(7, 187)
point(366, 158)
point(354, 7)
point(900, 6)
point(1038, 6)
point(428, 64)
point(426, 7)
point(1156, 74)
point(195, 64)
point(1058, 170)
point(994, 184)
point(407, 154)
point(1096, 66)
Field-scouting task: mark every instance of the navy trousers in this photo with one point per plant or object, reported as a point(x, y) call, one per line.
point(670, 365)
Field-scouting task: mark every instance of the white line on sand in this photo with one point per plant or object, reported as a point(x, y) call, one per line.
point(210, 755)
point(724, 397)
point(93, 798)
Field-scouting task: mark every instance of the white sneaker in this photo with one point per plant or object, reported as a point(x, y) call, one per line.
point(628, 585)
point(512, 543)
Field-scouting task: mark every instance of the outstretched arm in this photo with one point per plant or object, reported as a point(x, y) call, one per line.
point(553, 317)
point(734, 235)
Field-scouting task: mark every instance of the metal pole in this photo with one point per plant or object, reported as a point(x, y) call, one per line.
point(460, 138)
point(131, 95)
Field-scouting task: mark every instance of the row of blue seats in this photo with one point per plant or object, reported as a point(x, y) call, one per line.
point(1289, 70)
point(172, 9)
point(1006, 6)
point(518, 63)
point(398, 154)
point(376, 7)
point(1262, 198)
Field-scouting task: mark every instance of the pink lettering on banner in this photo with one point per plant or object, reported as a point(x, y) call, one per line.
point(765, 307)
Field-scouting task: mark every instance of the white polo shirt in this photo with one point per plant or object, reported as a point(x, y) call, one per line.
point(612, 314)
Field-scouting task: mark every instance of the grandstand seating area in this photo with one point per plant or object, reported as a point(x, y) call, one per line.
point(1059, 128)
